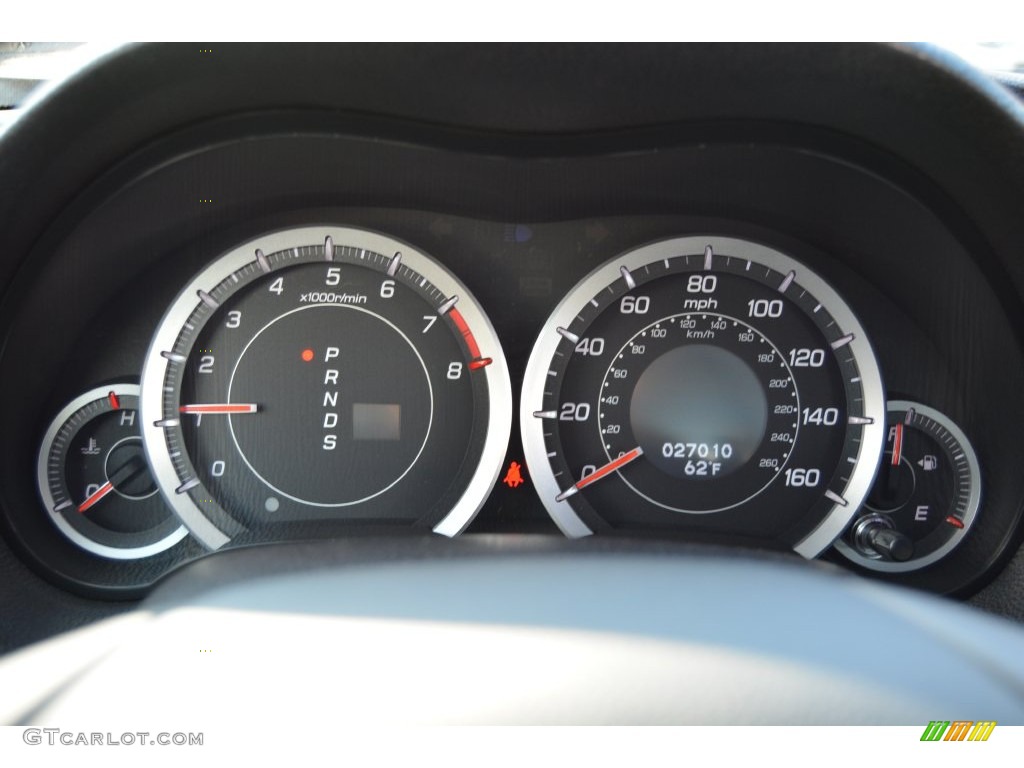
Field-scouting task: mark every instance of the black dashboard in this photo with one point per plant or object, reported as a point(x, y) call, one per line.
point(886, 172)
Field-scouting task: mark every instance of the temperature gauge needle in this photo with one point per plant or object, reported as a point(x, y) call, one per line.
point(604, 471)
point(100, 492)
point(220, 408)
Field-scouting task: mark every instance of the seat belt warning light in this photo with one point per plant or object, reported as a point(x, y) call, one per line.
point(514, 476)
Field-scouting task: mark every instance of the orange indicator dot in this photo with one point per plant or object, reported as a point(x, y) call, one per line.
point(307, 355)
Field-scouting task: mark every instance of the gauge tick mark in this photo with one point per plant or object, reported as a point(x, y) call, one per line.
point(567, 334)
point(207, 299)
point(627, 278)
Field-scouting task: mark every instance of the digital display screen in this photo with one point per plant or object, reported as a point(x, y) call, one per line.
point(376, 421)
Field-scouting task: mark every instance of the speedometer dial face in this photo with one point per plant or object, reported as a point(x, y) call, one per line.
point(710, 386)
point(322, 379)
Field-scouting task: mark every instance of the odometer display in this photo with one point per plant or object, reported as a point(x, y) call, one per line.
point(324, 379)
point(707, 397)
point(704, 385)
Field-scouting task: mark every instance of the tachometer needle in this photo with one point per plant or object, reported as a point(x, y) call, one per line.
point(604, 471)
point(220, 408)
point(100, 492)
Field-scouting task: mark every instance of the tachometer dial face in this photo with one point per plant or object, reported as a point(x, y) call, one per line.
point(321, 379)
point(95, 482)
point(705, 385)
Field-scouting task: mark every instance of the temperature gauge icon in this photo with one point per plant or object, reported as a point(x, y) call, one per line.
point(925, 497)
point(95, 481)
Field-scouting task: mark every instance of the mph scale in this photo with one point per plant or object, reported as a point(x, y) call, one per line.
point(705, 386)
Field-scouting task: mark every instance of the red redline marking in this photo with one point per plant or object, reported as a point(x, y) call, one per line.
point(480, 362)
point(897, 446)
point(114, 402)
point(460, 323)
point(610, 467)
point(102, 491)
point(219, 408)
point(955, 522)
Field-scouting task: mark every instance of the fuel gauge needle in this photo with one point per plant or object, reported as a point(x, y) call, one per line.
point(604, 471)
point(892, 472)
point(897, 445)
point(99, 493)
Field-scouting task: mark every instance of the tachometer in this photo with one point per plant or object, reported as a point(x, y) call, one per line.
point(320, 379)
point(705, 385)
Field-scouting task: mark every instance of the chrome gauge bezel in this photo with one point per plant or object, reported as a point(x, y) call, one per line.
point(43, 483)
point(155, 370)
point(603, 277)
point(973, 501)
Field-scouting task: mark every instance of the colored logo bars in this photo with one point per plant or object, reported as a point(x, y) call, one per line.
point(958, 730)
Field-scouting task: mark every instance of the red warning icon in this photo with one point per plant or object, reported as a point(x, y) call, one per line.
point(514, 476)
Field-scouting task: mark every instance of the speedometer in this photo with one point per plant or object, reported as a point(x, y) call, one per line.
point(324, 379)
point(704, 385)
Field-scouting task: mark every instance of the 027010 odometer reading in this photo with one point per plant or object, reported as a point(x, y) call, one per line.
point(748, 414)
point(708, 386)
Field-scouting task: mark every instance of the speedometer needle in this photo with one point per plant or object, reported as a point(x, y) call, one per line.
point(98, 494)
point(219, 408)
point(604, 471)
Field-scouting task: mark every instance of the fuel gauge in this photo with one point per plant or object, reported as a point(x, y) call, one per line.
point(95, 482)
point(925, 496)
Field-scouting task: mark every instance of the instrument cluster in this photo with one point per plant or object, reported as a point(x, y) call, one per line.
point(813, 370)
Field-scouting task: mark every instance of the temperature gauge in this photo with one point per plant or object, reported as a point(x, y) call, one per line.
point(95, 481)
point(925, 497)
